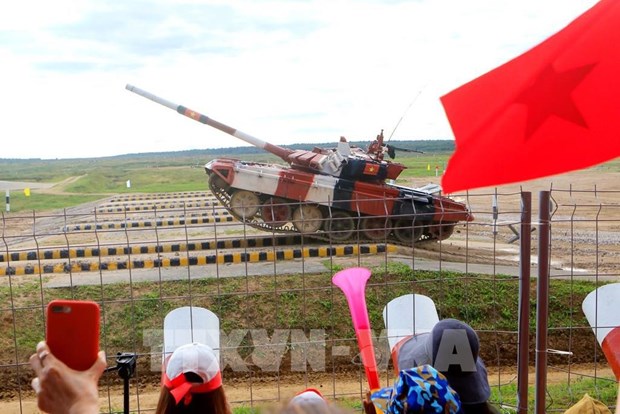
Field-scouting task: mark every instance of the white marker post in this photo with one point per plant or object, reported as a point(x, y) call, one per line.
point(8, 201)
point(495, 212)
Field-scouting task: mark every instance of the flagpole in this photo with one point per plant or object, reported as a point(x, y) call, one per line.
point(542, 300)
point(524, 302)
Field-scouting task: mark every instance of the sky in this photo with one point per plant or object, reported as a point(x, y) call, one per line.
point(289, 71)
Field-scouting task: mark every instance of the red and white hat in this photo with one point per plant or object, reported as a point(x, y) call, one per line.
point(309, 396)
point(602, 309)
point(195, 358)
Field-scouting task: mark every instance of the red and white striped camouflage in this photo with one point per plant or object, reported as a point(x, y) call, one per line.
point(345, 189)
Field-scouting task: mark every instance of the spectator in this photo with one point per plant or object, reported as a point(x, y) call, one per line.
point(62, 390)
point(418, 390)
point(452, 347)
point(308, 401)
point(309, 396)
point(192, 382)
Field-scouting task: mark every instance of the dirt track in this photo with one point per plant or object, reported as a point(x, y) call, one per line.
point(267, 393)
point(585, 223)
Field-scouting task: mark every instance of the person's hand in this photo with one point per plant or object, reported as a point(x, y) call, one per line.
point(62, 390)
point(369, 407)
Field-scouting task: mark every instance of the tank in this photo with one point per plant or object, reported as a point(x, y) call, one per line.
point(341, 193)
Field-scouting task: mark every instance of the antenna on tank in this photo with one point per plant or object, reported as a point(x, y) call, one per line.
point(405, 113)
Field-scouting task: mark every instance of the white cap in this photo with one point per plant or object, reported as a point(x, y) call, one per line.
point(195, 357)
point(308, 396)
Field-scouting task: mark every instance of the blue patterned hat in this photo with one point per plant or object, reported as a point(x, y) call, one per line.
point(421, 389)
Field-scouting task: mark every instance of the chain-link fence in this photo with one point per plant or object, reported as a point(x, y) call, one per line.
point(284, 326)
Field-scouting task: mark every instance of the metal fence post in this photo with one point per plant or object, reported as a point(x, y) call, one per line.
point(542, 299)
point(524, 302)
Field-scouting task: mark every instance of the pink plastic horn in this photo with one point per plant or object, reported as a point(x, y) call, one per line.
point(352, 282)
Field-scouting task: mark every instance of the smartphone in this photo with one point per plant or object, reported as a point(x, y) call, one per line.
point(72, 332)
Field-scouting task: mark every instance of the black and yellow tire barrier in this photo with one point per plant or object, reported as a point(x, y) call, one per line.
point(162, 196)
point(204, 213)
point(155, 206)
point(157, 202)
point(75, 253)
point(149, 223)
point(223, 258)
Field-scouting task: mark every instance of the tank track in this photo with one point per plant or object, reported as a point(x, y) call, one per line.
point(223, 197)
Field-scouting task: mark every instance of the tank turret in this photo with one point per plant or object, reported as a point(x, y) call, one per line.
point(339, 194)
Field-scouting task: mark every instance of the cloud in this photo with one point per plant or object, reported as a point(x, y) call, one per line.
point(284, 71)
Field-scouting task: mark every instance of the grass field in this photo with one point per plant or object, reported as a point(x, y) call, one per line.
point(102, 177)
point(148, 173)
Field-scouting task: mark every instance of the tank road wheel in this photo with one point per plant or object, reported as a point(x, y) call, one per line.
point(307, 218)
point(441, 231)
point(407, 231)
point(376, 228)
point(340, 226)
point(244, 204)
point(275, 211)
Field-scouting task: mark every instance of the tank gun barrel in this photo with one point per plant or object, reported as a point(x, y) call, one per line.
point(283, 153)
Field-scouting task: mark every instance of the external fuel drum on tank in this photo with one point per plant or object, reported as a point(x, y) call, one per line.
point(342, 193)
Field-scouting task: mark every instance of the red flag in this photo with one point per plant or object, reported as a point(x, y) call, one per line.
point(553, 109)
point(371, 169)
